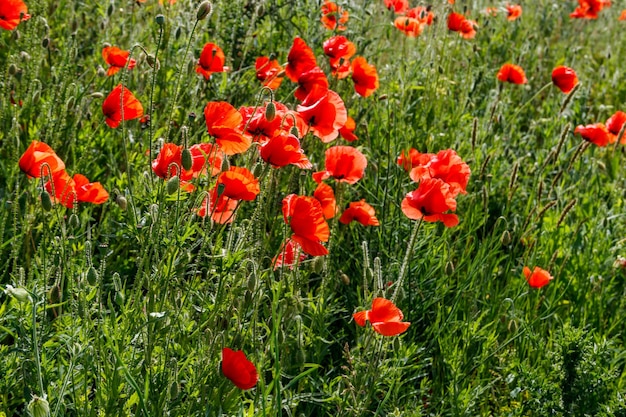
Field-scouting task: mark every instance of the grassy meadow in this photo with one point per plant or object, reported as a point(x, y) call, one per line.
point(124, 307)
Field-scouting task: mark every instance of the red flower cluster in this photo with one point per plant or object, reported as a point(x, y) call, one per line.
point(411, 22)
point(441, 178)
point(603, 134)
point(589, 9)
point(333, 16)
point(459, 23)
point(39, 160)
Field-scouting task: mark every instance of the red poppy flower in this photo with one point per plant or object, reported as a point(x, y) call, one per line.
point(614, 125)
point(589, 9)
point(622, 15)
point(169, 161)
point(343, 163)
point(118, 103)
point(409, 26)
point(446, 165)
point(314, 78)
point(239, 369)
point(284, 149)
point(333, 16)
point(385, 317)
point(269, 72)
point(512, 74)
point(211, 60)
point(364, 76)
point(300, 60)
point(398, 6)
point(324, 112)
point(538, 277)
point(11, 13)
point(62, 188)
point(326, 196)
point(514, 11)
point(117, 59)
point(339, 50)
point(361, 212)
point(413, 158)
point(290, 254)
point(564, 78)
point(89, 192)
point(347, 131)
point(220, 208)
point(422, 14)
point(596, 133)
point(458, 23)
point(430, 201)
point(260, 129)
point(38, 154)
point(204, 155)
point(239, 184)
point(223, 122)
point(305, 217)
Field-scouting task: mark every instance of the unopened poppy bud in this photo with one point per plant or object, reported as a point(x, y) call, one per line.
point(38, 407)
point(36, 96)
point(186, 159)
point(257, 170)
point(12, 69)
point(153, 62)
point(318, 265)
point(70, 103)
point(204, 10)
point(110, 9)
point(92, 275)
point(174, 390)
point(294, 131)
point(173, 184)
point(25, 56)
point(449, 268)
point(16, 35)
point(506, 238)
point(179, 31)
point(121, 201)
point(345, 279)
point(97, 94)
point(270, 111)
point(192, 117)
point(74, 221)
point(46, 201)
point(20, 294)
point(160, 19)
point(225, 165)
point(101, 72)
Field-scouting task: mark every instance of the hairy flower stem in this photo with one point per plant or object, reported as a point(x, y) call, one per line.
point(407, 256)
point(36, 346)
point(180, 75)
point(530, 100)
point(154, 77)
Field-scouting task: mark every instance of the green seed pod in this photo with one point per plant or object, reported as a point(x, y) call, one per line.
point(191, 117)
point(318, 265)
point(45, 43)
point(16, 35)
point(173, 184)
point(345, 279)
point(74, 221)
point(119, 298)
point(121, 201)
point(36, 96)
point(186, 159)
point(12, 69)
point(25, 56)
point(110, 9)
point(506, 238)
point(46, 201)
point(270, 111)
point(160, 19)
point(174, 390)
point(257, 170)
point(92, 276)
point(101, 72)
point(203, 10)
point(70, 103)
point(97, 95)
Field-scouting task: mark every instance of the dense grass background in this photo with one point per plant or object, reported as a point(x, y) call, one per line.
point(171, 290)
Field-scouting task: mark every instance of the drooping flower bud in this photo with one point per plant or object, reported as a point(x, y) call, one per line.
point(38, 407)
point(173, 184)
point(186, 159)
point(270, 111)
point(46, 201)
point(204, 10)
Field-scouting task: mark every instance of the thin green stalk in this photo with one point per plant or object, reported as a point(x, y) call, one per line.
point(407, 256)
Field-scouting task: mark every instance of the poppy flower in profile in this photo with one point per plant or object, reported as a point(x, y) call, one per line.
point(223, 122)
point(422, 14)
point(413, 158)
point(12, 12)
point(203, 156)
point(269, 72)
point(239, 184)
point(289, 254)
point(219, 207)
point(211, 60)
point(409, 26)
point(89, 192)
point(312, 79)
point(430, 201)
point(398, 6)
point(622, 16)
point(121, 105)
point(364, 76)
point(117, 59)
point(282, 150)
point(344, 164)
point(514, 12)
point(237, 368)
point(333, 16)
point(614, 125)
point(385, 317)
point(62, 189)
point(446, 165)
point(589, 9)
point(538, 277)
point(300, 60)
point(260, 129)
point(35, 156)
point(361, 212)
point(564, 78)
point(459, 23)
point(324, 112)
point(169, 161)
point(596, 133)
point(347, 131)
point(305, 217)
point(326, 196)
point(513, 74)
